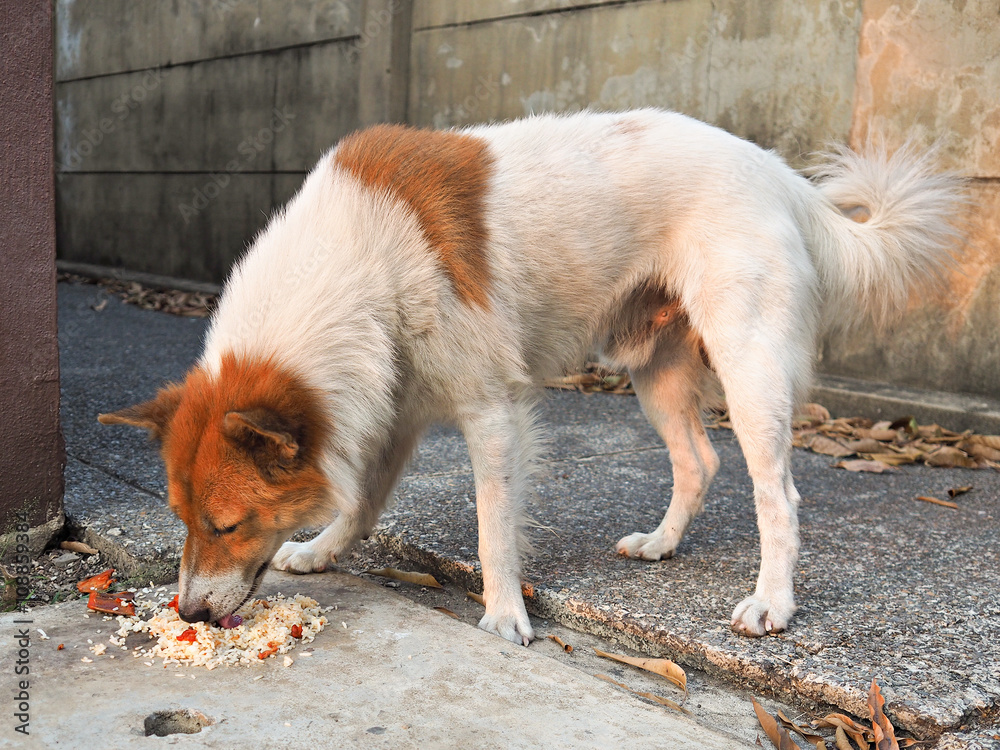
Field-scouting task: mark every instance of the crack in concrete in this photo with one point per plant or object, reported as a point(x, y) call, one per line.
point(115, 475)
point(591, 456)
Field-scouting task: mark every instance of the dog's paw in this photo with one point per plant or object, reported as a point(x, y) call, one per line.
point(756, 617)
point(515, 627)
point(301, 557)
point(646, 546)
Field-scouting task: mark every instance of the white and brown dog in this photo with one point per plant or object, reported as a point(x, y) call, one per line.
point(423, 276)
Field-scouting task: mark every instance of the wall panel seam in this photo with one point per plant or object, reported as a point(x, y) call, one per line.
point(197, 61)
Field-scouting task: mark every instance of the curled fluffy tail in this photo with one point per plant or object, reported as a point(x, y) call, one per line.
point(880, 227)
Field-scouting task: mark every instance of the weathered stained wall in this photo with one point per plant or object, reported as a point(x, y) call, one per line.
point(779, 72)
point(181, 126)
point(931, 71)
point(31, 445)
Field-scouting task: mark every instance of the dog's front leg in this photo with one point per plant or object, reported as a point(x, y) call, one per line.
point(357, 516)
point(321, 551)
point(499, 440)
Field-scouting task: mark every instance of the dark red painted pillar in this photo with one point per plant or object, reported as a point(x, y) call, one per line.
point(32, 453)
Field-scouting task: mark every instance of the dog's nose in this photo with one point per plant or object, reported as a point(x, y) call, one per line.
point(202, 614)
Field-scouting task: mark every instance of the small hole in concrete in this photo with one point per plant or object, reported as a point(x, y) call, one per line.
point(181, 721)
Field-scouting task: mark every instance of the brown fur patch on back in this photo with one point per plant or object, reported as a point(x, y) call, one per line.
point(442, 177)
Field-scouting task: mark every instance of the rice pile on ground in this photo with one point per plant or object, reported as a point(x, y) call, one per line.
point(275, 625)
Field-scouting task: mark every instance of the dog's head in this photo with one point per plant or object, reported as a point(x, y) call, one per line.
point(243, 449)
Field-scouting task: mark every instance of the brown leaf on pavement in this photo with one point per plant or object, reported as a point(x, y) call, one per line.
point(990, 441)
point(478, 598)
point(663, 667)
point(840, 738)
point(806, 734)
point(83, 549)
point(406, 576)
point(885, 734)
point(446, 611)
point(907, 424)
point(950, 457)
point(935, 501)
point(896, 459)
point(829, 447)
point(565, 646)
point(860, 464)
point(884, 434)
point(777, 734)
point(853, 730)
point(813, 414)
point(956, 491)
point(979, 450)
point(867, 445)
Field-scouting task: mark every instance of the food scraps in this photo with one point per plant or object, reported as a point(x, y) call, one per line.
point(100, 582)
point(112, 604)
point(263, 628)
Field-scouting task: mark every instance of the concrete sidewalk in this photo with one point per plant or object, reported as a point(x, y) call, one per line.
point(385, 673)
point(889, 587)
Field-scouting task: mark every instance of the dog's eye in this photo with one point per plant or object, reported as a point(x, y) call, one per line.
point(227, 530)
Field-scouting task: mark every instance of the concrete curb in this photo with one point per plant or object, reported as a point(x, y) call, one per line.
point(849, 397)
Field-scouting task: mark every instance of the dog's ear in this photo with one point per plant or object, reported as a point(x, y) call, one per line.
point(154, 415)
point(267, 437)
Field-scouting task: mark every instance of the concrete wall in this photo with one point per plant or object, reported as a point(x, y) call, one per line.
point(214, 110)
point(932, 71)
point(180, 125)
point(780, 72)
point(31, 446)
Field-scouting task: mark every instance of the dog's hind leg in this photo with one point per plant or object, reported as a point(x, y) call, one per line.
point(500, 437)
point(669, 391)
point(759, 377)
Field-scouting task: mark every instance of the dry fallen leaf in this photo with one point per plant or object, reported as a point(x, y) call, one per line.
point(854, 730)
point(649, 696)
point(840, 739)
point(956, 491)
point(948, 457)
point(945, 503)
point(978, 450)
point(885, 734)
point(476, 597)
point(859, 464)
point(908, 424)
point(83, 549)
point(565, 646)
point(445, 610)
point(805, 733)
point(867, 445)
point(406, 576)
point(663, 667)
point(828, 447)
point(778, 735)
point(883, 434)
point(813, 413)
point(990, 441)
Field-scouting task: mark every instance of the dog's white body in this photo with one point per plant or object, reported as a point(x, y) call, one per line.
point(666, 242)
